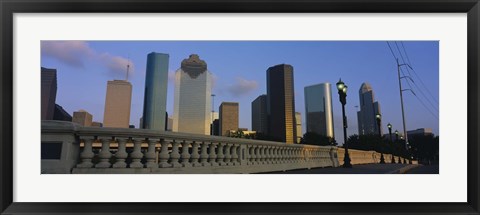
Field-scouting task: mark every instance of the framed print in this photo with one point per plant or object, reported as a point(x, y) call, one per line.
point(225, 50)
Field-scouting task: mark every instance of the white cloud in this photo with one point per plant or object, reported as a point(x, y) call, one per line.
point(242, 87)
point(116, 64)
point(72, 53)
point(75, 53)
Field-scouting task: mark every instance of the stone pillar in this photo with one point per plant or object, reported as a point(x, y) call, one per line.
point(104, 154)
point(235, 155)
point(137, 154)
point(164, 156)
point(185, 154)
point(175, 156)
point(228, 156)
point(220, 155)
point(204, 155)
point(151, 155)
point(87, 154)
point(212, 155)
point(121, 154)
point(195, 156)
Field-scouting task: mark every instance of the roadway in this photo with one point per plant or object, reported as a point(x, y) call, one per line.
point(363, 169)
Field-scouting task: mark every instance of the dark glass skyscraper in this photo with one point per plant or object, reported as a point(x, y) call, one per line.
point(155, 99)
point(259, 114)
point(48, 92)
point(281, 103)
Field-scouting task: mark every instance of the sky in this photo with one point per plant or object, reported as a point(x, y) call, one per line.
point(239, 71)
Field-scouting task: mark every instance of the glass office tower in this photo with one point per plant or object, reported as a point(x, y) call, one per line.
point(192, 102)
point(318, 109)
point(281, 103)
point(367, 123)
point(155, 97)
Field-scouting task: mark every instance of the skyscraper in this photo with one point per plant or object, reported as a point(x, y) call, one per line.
point(318, 109)
point(228, 117)
point(298, 119)
point(49, 92)
point(259, 114)
point(281, 103)
point(367, 123)
point(82, 117)
point(155, 97)
point(192, 101)
point(117, 104)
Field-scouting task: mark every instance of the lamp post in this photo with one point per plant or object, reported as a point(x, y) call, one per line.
point(396, 135)
point(342, 92)
point(389, 126)
point(379, 120)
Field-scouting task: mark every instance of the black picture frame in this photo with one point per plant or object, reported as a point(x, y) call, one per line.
point(10, 7)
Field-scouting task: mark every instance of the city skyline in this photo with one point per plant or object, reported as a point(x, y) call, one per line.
point(239, 76)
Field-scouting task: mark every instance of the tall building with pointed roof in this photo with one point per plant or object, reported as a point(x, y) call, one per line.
point(192, 99)
point(367, 123)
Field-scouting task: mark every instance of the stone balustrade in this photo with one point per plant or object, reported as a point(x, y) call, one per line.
point(71, 148)
point(117, 150)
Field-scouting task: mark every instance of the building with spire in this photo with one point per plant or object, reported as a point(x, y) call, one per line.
point(155, 97)
point(367, 123)
point(117, 104)
point(192, 99)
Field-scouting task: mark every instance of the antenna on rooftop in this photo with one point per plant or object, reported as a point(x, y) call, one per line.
point(128, 68)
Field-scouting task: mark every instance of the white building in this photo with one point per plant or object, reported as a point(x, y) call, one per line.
point(192, 102)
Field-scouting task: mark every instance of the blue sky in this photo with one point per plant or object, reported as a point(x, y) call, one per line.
point(239, 69)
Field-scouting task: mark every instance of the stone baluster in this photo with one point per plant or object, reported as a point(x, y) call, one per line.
point(185, 154)
point(150, 155)
point(298, 156)
point(235, 156)
point(164, 156)
point(175, 155)
point(269, 154)
point(275, 154)
point(195, 156)
point(104, 154)
point(252, 154)
point(87, 154)
point(282, 154)
point(121, 154)
point(204, 155)
point(261, 153)
point(137, 154)
point(258, 156)
point(220, 154)
point(212, 155)
point(228, 155)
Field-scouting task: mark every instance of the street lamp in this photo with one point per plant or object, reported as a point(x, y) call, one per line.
point(379, 119)
point(396, 135)
point(342, 92)
point(389, 126)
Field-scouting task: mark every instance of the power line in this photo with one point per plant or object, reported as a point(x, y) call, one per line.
point(417, 87)
point(418, 77)
point(411, 88)
point(434, 107)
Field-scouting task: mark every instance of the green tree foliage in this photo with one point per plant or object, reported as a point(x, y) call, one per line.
point(425, 148)
point(313, 138)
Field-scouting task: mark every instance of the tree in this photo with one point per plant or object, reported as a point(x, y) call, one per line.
point(313, 138)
